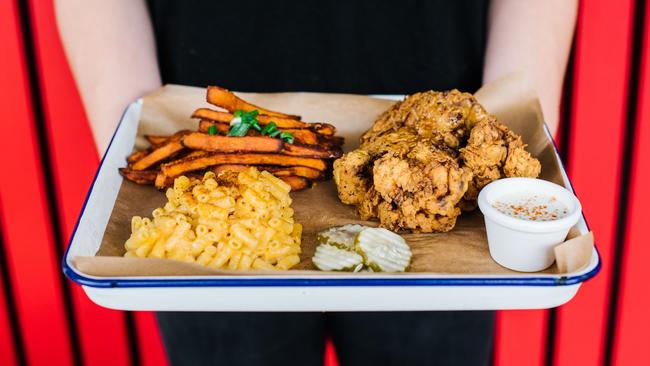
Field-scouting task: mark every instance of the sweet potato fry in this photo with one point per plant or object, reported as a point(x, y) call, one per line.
point(222, 127)
point(230, 168)
point(212, 115)
point(137, 155)
point(296, 183)
point(281, 123)
point(308, 143)
point(161, 140)
point(278, 171)
point(195, 154)
point(300, 171)
point(182, 166)
point(139, 176)
point(226, 144)
point(331, 141)
point(162, 181)
point(155, 140)
point(158, 155)
point(226, 99)
point(161, 153)
point(303, 136)
point(311, 151)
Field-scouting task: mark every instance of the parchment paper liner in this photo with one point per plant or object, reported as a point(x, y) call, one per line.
point(464, 250)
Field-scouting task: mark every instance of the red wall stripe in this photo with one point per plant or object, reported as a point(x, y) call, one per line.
point(7, 347)
point(73, 156)
point(598, 122)
point(330, 358)
point(102, 334)
point(520, 338)
point(152, 350)
point(633, 322)
point(31, 253)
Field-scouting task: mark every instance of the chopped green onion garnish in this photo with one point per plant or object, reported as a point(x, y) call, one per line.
point(249, 117)
point(287, 137)
point(269, 128)
point(212, 130)
point(239, 129)
point(256, 126)
point(235, 121)
point(243, 121)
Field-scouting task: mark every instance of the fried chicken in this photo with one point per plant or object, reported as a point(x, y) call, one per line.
point(426, 158)
point(411, 183)
point(493, 152)
point(351, 180)
point(443, 117)
point(420, 189)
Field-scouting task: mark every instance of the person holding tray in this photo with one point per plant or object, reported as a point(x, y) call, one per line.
point(120, 50)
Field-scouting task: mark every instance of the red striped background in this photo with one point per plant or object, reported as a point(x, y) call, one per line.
point(28, 238)
point(633, 318)
point(49, 160)
point(595, 163)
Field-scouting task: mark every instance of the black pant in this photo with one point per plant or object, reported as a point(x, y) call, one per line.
point(396, 338)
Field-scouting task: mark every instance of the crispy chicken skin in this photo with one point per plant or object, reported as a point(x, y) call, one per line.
point(443, 117)
point(419, 191)
point(426, 158)
point(493, 152)
point(351, 181)
point(519, 162)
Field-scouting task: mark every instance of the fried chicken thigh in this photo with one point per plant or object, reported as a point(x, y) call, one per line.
point(493, 152)
point(426, 158)
point(420, 189)
point(443, 117)
point(350, 177)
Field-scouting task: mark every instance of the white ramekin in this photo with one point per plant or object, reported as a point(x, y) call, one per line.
point(519, 244)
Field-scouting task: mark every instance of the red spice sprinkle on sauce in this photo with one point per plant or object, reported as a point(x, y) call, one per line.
point(535, 208)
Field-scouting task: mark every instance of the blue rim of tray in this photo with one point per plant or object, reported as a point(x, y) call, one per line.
point(293, 282)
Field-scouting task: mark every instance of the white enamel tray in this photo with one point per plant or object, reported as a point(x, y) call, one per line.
point(294, 293)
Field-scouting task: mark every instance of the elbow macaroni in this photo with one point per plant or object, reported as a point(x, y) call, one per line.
point(241, 221)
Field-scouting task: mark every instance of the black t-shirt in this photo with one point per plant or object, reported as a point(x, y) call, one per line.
point(356, 46)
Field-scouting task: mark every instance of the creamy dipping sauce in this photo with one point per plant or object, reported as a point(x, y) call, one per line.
point(531, 207)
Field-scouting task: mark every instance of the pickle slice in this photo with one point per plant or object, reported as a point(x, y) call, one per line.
point(331, 258)
point(341, 236)
point(383, 250)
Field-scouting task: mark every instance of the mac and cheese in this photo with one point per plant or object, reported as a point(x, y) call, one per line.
point(234, 221)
